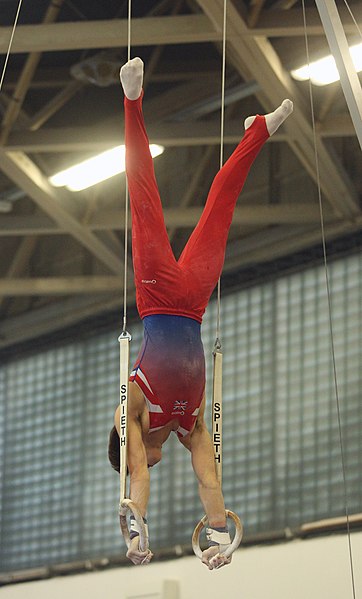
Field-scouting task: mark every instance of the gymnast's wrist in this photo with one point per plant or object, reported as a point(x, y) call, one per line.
point(219, 535)
point(135, 530)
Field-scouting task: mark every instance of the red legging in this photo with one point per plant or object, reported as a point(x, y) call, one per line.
point(163, 284)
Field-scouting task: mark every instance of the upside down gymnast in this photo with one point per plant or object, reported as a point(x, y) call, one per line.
point(166, 391)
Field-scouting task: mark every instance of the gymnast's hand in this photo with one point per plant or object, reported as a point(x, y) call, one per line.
point(213, 559)
point(137, 556)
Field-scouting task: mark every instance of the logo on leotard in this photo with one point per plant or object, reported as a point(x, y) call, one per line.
point(149, 281)
point(179, 407)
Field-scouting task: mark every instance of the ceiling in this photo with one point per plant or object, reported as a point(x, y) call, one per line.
point(62, 255)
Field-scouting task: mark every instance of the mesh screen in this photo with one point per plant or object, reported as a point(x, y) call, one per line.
point(281, 462)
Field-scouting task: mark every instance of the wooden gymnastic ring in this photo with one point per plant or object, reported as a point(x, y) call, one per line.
point(126, 505)
point(235, 542)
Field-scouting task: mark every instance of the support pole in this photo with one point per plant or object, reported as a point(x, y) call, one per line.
point(217, 413)
point(124, 342)
point(340, 50)
point(217, 443)
point(126, 504)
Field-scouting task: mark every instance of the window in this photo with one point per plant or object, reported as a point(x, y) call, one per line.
point(281, 462)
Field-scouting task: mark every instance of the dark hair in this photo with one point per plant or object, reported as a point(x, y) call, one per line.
point(113, 449)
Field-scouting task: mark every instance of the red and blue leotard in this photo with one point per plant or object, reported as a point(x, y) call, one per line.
point(170, 370)
point(171, 294)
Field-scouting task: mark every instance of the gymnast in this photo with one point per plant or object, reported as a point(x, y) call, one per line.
point(166, 391)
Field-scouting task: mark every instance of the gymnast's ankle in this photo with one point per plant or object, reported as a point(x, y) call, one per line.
point(131, 76)
point(274, 119)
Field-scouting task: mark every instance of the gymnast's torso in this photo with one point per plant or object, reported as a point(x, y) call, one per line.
point(170, 371)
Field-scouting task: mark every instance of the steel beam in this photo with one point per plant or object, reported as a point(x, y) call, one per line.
point(340, 50)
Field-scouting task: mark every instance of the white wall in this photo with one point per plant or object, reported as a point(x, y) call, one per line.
point(309, 569)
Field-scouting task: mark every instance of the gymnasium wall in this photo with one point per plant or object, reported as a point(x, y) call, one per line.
point(281, 455)
point(307, 569)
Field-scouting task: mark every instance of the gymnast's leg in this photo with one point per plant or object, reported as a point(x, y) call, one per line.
point(150, 244)
point(204, 253)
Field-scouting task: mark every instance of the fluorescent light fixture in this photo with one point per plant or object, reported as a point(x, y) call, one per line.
point(96, 169)
point(324, 71)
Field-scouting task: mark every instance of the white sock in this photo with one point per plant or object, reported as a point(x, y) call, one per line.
point(273, 119)
point(131, 75)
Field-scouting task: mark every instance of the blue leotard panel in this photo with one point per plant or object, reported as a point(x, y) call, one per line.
point(170, 370)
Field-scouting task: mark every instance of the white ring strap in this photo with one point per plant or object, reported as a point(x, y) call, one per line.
point(215, 536)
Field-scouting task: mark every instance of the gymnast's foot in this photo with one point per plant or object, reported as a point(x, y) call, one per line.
point(273, 119)
point(131, 75)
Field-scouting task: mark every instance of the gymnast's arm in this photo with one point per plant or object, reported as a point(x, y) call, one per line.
point(139, 474)
point(203, 462)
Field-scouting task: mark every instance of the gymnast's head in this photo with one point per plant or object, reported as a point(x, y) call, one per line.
point(113, 450)
point(153, 453)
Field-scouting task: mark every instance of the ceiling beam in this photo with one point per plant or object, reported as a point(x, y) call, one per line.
point(336, 126)
point(76, 139)
point(289, 23)
point(54, 105)
point(254, 12)
point(178, 29)
point(340, 50)
point(83, 139)
point(80, 35)
point(59, 285)
point(275, 245)
point(22, 171)
point(71, 310)
point(53, 317)
point(27, 73)
point(194, 183)
point(110, 220)
point(45, 77)
point(257, 57)
point(282, 241)
point(20, 260)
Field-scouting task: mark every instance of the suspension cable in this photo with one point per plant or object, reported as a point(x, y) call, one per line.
point(353, 18)
point(126, 216)
point(329, 302)
point(10, 44)
point(222, 122)
point(217, 366)
point(125, 504)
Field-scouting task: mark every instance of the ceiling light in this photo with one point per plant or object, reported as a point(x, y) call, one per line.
point(96, 169)
point(324, 71)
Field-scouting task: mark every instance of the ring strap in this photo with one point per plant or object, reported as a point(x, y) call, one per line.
point(218, 536)
point(135, 529)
